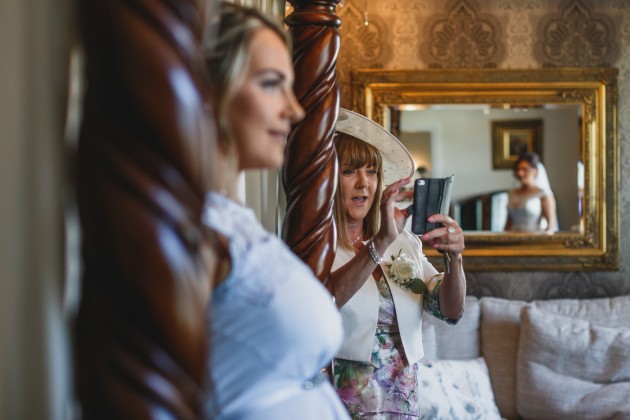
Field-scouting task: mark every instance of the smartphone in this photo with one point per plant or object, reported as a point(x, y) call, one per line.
point(430, 196)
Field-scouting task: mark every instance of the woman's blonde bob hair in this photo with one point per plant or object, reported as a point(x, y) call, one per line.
point(228, 54)
point(356, 154)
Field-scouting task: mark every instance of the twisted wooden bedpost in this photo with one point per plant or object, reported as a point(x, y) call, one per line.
point(310, 172)
point(147, 138)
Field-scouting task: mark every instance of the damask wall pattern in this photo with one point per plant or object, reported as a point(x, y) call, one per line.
point(576, 36)
point(362, 41)
point(509, 34)
point(463, 37)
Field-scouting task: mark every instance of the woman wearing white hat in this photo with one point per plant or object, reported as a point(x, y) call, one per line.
point(381, 280)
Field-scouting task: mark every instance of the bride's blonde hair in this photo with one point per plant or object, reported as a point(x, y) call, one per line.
point(227, 56)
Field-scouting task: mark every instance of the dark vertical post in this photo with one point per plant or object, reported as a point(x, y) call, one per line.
point(147, 140)
point(310, 172)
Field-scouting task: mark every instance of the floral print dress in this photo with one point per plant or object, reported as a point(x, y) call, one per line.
point(386, 387)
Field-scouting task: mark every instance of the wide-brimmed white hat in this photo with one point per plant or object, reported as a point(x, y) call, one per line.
point(397, 162)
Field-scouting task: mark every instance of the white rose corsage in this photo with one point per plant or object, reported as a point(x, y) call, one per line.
point(404, 271)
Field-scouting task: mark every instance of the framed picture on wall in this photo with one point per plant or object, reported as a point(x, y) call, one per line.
point(512, 138)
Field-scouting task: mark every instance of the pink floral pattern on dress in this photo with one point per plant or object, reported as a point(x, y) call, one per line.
point(387, 387)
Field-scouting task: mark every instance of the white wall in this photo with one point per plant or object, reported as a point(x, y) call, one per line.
point(464, 147)
point(261, 192)
point(34, 354)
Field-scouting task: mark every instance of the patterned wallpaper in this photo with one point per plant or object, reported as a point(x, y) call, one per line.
point(517, 34)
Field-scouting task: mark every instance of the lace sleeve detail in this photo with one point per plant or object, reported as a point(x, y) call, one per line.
point(252, 250)
point(431, 299)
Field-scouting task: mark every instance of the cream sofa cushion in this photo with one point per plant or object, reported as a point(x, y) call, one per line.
point(453, 342)
point(500, 322)
point(500, 319)
point(571, 368)
point(455, 389)
point(608, 312)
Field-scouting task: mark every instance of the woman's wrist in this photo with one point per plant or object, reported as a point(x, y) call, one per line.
point(380, 245)
point(374, 254)
point(455, 261)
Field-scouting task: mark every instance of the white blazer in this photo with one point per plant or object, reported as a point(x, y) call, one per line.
point(360, 313)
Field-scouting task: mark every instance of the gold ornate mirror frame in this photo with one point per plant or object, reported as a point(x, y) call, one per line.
point(596, 245)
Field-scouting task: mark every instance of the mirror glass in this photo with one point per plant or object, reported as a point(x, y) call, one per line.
point(474, 123)
point(458, 139)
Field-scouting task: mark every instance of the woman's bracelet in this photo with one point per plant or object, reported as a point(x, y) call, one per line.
point(447, 261)
point(373, 254)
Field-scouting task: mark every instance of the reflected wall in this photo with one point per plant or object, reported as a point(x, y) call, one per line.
point(461, 142)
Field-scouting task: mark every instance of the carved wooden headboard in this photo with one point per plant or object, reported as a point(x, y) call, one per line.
point(310, 171)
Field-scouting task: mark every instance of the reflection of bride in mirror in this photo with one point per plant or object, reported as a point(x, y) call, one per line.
point(532, 206)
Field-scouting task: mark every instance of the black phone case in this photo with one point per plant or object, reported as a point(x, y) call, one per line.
point(430, 196)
